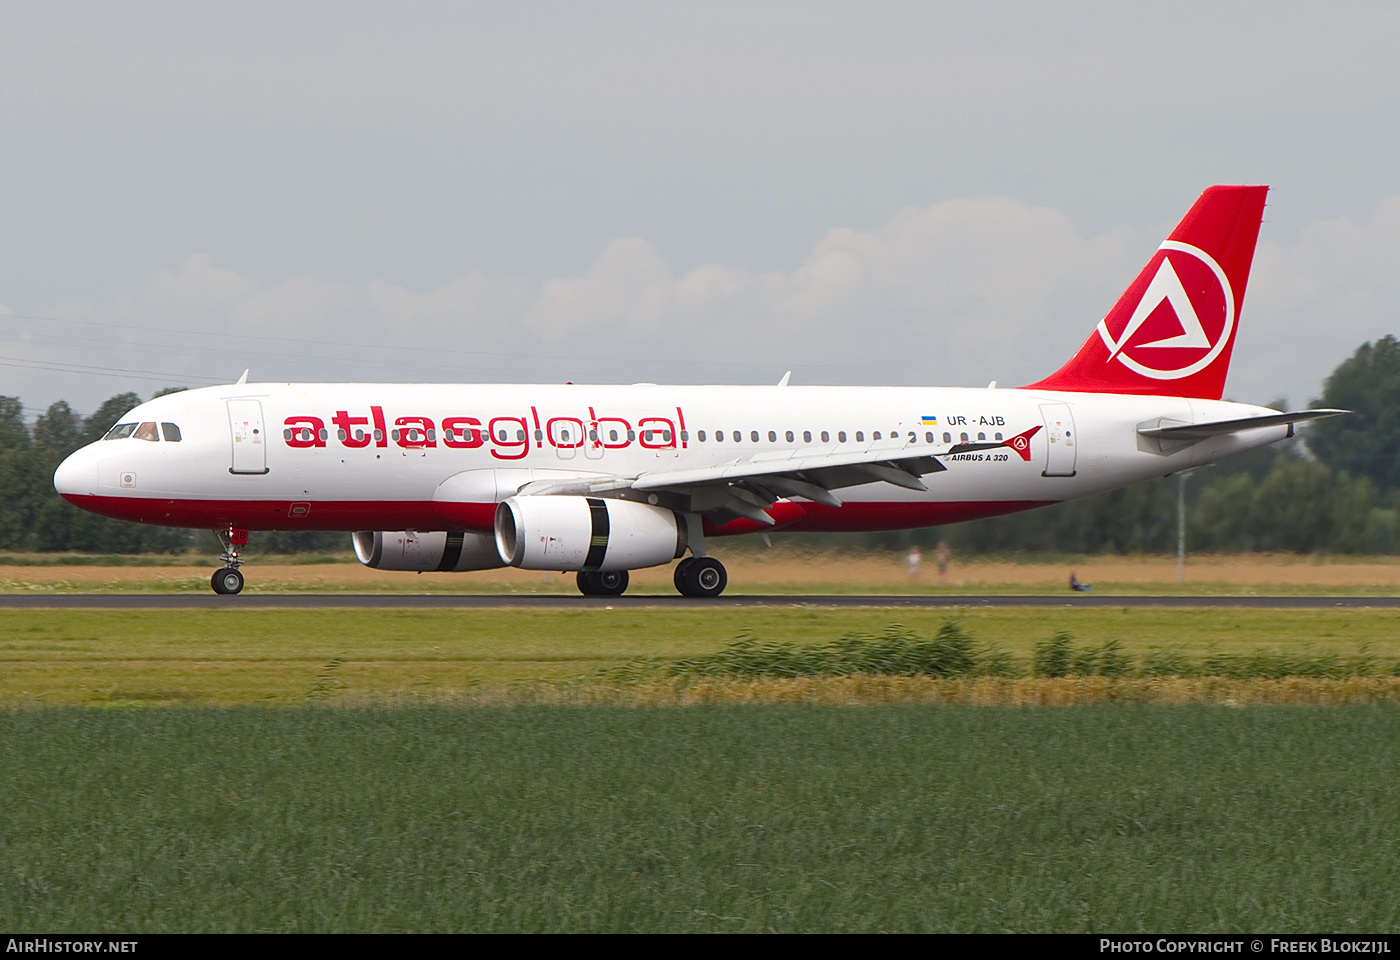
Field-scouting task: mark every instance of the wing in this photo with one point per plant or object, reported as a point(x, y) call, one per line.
point(749, 486)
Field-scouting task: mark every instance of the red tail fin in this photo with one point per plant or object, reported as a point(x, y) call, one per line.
point(1172, 330)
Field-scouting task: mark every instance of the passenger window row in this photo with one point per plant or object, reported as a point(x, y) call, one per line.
point(790, 436)
point(147, 431)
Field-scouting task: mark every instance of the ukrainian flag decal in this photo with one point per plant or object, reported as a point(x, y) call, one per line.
point(930, 421)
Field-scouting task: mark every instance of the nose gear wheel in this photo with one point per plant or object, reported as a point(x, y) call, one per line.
point(227, 581)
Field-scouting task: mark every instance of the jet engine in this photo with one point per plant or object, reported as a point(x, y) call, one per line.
point(433, 550)
point(586, 533)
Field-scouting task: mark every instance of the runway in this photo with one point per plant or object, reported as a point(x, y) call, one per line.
point(341, 601)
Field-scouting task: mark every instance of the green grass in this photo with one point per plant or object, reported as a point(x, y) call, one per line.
point(951, 652)
point(714, 818)
point(1180, 819)
point(224, 657)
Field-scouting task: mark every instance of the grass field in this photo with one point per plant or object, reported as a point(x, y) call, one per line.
point(1180, 819)
point(227, 657)
point(782, 570)
point(488, 771)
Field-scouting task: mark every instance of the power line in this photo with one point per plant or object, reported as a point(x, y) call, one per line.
point(379, 348)
point(87, 370)
point(219, 353)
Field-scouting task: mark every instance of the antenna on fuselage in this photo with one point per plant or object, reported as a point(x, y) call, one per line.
point(243, 379)
point(783, 382)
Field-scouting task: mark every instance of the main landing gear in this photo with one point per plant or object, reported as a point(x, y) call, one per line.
point(229, 580)
point(602, 583)
point(696, 576)
point(700, 577)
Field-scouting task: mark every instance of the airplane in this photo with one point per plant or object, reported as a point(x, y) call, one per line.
point(601, 480)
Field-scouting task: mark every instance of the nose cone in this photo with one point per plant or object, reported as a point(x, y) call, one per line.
point(77, 475)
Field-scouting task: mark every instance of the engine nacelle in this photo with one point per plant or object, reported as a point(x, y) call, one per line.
point(432, 550)
point(586, 533)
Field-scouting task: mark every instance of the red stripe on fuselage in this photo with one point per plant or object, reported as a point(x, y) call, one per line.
point(276, 514)
point(427, 515)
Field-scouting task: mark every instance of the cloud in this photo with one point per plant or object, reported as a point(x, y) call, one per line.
point(956, 293)
point(628, 289)
point(969, 280)
point(1312, 304)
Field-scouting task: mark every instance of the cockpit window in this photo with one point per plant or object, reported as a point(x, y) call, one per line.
point(147, 431)
point(120, 432)
point(172, 432)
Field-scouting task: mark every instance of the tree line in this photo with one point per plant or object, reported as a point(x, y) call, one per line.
point(1333, 489)
point(33, 517)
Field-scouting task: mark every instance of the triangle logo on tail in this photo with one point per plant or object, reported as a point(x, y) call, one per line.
point(1182, 320)
point(1165, 286)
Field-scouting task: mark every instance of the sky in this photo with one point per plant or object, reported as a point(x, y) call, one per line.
point(906, 193)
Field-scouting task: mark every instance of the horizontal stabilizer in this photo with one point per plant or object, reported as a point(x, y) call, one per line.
point(1220, 428)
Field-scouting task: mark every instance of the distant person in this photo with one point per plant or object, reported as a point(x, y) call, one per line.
point(915, 559)
point(1076, 586)
point(941, 555)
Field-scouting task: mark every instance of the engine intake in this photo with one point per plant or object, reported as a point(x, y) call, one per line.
point(586, 533)
point(432, 550)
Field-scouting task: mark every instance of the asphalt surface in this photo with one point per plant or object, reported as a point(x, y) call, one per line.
point(339, 601)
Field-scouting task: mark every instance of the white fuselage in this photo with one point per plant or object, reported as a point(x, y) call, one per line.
point(440, 456)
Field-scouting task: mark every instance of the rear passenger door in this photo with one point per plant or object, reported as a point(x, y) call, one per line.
point(1062, 444)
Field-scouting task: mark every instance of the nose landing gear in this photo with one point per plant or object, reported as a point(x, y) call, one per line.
point(229, 580)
